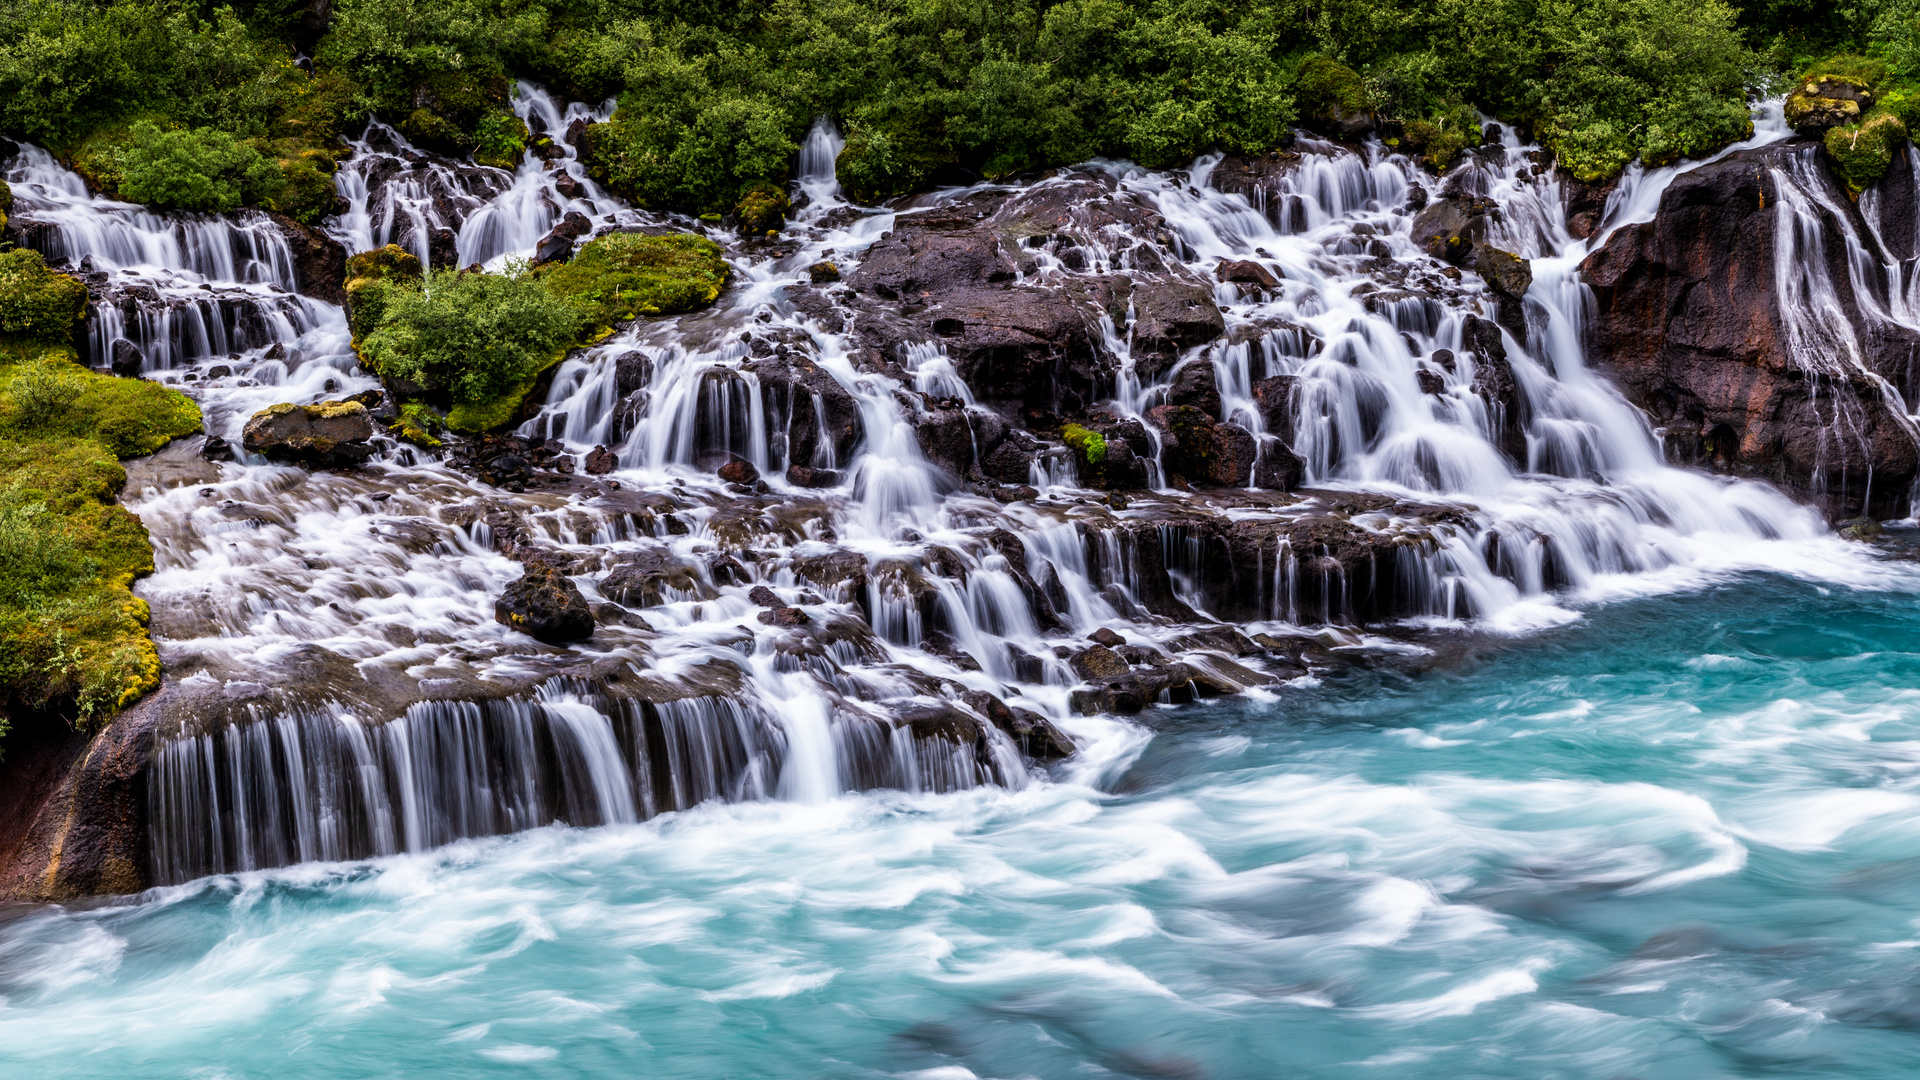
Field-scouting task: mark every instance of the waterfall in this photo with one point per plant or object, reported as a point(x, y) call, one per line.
point(347, 693)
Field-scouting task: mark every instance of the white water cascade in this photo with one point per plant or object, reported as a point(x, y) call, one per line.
point(353, 695)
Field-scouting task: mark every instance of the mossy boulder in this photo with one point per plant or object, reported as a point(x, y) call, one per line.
point(6, 208)
point(500, 140)
point(1333, 98)
point(1863, 152)
point(328, 433)
point(1819, 102)
point(624, 276)
point(762, 210)
point(37, 303)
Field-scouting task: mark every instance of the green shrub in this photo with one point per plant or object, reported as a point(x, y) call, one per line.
point(195, 169)
point(481, 339)
point(36, 303)
point(41, 392)
point(1440, 137)
point(500, 140)
point(623, 276)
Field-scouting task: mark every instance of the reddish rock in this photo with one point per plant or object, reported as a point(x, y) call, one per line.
point(1687, 319)
point(600, 461)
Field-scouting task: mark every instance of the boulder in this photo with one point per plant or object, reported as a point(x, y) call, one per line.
point(330, 433)
point(1197, 385)
point(128, 361)
point(1450, 229)
point(1506, 273)
point(1201, 449)
point(1819, 102)
point(545, 604)
point(1246, 272)
point(738, 471)
point(600, 461)
point(807, 477)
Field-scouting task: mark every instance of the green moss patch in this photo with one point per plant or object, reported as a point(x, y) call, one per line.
point(37, 303)
point(626, 275)
point(72, 634)
point(1862, 152)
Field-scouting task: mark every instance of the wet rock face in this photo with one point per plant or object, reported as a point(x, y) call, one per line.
point(319, 261)
point(1689, 319)
point(331, 433)
point(545, 604)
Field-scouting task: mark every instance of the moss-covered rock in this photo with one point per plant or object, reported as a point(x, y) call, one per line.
point(37, 303)
point(762, 210)
point(1089, 446)
point(1862, 152)
point(624, 276)
point(72, 634)
point(418, 424)
point(1839, 90)
point(1332, 97)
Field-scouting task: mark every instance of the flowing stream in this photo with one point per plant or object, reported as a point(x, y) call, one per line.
point(1573, 815)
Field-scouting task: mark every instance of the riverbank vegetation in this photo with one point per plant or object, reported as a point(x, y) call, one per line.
point(73, 637)
point(714, 99)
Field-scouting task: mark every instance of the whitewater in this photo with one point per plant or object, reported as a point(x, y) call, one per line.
point(1641, 805)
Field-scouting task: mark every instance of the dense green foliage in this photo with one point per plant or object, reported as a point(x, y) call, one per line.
point(715, 98)
point(480, 339)
point(475, 343)
point(72, 634)
point(194, 169)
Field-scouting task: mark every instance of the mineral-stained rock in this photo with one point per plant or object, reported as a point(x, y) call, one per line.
point(544, 603)
point(327, 434)
point(1688, 318)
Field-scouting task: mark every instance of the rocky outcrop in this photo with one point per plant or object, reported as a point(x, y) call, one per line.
point(1692, 318)
point(319, 261)
point(73, 810)
point(331, 433)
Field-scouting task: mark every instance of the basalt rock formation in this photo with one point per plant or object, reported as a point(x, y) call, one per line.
point(1737, 321)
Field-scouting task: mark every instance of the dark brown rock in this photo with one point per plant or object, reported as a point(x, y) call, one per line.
point(738, 471)
point(1098, 662)
point(808, 477)
point(1246, 272)
point(784, 617)
point(1687, 319)
point(319, 261)
point(1506, 273)
point(545, 604)
point(600, 461)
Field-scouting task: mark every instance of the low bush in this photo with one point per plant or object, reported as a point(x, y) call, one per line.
point(195, 169)
point(479, 339)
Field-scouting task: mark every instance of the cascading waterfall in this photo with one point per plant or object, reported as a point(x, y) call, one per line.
point(921, 594)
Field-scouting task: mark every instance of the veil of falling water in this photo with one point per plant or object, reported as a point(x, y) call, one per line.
point(385, 576)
